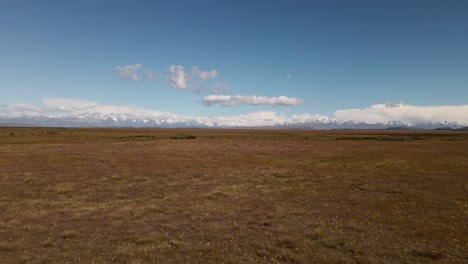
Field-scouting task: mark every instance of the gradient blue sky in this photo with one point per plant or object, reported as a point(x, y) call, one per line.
point(340, 54)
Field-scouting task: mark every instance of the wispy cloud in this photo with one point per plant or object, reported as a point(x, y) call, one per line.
point(203, 75)
point(150, 75)
point(220, 88)
point(234, 100)
point(132, 72)
point(128, 72)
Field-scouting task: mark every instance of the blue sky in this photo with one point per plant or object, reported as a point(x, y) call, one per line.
point(330, 55)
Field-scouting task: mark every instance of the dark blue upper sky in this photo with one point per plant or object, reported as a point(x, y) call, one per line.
point(332, 54)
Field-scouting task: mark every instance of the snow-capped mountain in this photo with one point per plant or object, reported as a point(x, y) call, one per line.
point(60, 112)
point(99, 120)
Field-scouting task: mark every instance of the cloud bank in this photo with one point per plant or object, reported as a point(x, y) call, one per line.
point(234, 100)
point(410, 114)
point(129, 115)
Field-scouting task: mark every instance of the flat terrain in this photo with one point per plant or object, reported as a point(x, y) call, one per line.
point(233, 196)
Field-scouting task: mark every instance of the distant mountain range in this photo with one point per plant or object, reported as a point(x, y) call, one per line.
point(171, 122)
point(392, 125)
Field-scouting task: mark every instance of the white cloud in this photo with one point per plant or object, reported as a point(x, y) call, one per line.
point(233, 100)
point(128, 72)
point(203, 75)
point(177, 77)
point(288, 76)
point(410, 114)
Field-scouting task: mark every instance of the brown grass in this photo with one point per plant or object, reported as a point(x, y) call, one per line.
point(268, 196)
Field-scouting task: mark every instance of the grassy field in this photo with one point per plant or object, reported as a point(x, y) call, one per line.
point(232, 196)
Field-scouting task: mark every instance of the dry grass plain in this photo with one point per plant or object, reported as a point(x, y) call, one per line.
point(232, 196)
